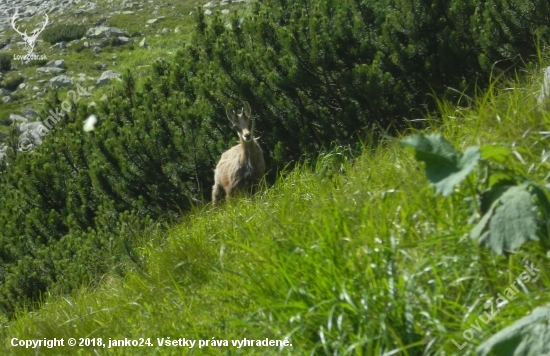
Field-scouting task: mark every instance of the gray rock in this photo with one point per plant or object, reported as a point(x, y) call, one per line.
point(50, 70)
point(15, 117)
point(29, 113)
point(155, 21)
point(58, 63)
point(4, 92)
point(208, 12)
point(209, 5)
point(29, 140)
point(124, 40)
point(61, 81)
point(143, 43)
point(34, 126)
point(96, 50)
point(7, 99)
point(165, 31)
point(104, 32)
point(107, 77)
point(60, 45)
point(225, 11)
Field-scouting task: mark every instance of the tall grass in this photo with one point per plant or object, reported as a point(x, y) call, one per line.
point(356, 255)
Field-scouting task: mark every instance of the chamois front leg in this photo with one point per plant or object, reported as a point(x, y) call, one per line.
point(218, 193)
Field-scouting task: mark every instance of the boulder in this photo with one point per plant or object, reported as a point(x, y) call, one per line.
point(29, 113)
point(31, 135)
point(124, 40)
point(103, 31)
point(50, 70)
point(106, 77)
point(61, 81)
point(58, 63)
point(155, 21)
point(18, 118)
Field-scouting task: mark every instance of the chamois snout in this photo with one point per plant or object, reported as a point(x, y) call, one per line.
point(246, 135)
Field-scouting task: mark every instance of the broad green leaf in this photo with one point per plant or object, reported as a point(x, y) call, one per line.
point(528, 336)
point(501, 178)
point(488, 197)
point(496, 153)
point(445, 166)
point(512, 218)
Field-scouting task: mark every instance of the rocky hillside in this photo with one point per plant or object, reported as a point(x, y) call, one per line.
point(116, 35)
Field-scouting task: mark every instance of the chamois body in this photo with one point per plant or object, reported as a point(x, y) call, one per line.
point(242, 166)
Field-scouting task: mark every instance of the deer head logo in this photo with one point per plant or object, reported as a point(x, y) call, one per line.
point(29, 39)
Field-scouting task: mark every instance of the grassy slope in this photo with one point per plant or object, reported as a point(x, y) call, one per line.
point(339, 256)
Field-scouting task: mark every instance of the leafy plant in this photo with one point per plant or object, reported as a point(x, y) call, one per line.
point(528, 336)
point(513, 208)
point(445, 166)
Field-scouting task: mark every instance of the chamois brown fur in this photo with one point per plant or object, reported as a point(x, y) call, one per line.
point(242, 166)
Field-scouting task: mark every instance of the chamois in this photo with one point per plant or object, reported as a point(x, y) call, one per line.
point(242, 166)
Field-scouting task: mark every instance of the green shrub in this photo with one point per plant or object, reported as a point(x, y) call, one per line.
point(5, 62)
point(63, 32)
point(11, 81)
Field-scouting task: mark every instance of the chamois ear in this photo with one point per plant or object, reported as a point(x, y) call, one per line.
point(231, 116)
point(246, 110)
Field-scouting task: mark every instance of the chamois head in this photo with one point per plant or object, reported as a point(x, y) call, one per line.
point(241, 122)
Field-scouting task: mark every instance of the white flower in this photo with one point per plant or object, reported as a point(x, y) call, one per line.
point(89, 123)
